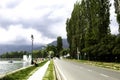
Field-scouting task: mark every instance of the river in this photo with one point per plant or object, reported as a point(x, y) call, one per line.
point(6, 67)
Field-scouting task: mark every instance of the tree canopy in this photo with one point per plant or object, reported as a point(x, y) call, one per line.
point(88, 31)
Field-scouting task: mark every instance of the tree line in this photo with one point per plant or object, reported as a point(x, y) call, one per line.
point(47, 51)
point(15, 54)
point(88, 31)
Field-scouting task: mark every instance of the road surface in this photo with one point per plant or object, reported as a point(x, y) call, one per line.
point(79, 71)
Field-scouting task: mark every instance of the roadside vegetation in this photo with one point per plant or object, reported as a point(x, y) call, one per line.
point(22, 74)
point(50, 74)
point(109, 65)
point(89, 34)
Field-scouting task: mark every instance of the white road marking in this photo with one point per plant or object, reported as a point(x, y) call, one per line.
point(81, 67)
point(104, 75)
point(60, 72)
point(90, 70)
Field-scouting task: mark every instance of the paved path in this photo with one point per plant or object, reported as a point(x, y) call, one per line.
point(79, 71)
point(39, 74)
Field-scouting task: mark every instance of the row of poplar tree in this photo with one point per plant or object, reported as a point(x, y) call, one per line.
point(88, 31)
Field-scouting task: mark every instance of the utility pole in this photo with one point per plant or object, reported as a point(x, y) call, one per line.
point(78, 53)
point(32, 38)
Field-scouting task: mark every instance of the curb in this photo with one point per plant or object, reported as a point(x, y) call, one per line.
point(58, 72)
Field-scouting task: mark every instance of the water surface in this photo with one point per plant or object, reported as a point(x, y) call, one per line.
point(6, 67)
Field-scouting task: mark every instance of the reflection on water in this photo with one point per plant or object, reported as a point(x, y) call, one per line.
point(5, 66)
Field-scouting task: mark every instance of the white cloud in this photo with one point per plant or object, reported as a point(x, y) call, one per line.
point(8, 3)
point(17, 32)
point(28, 10)
point(45, 19)
point(114, 25)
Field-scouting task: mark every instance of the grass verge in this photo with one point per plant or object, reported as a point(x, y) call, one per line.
point(22, 74)
point(109, 65)
point(50, 74)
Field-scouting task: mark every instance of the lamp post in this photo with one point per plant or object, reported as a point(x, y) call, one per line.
point(32, 38)
point(78, 53)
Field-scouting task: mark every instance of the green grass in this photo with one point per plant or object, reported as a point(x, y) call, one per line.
point(22, 74)
point(109, 65)
point(50, 75)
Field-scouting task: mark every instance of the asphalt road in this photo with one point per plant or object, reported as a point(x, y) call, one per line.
point(79, 71)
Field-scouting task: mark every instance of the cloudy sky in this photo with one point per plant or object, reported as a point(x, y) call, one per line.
point(45, 19)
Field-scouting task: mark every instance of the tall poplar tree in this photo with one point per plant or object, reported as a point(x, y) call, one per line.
point(88, 25)
point(59, 45)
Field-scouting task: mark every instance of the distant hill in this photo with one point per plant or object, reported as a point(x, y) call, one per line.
point(12, 48)
point(65, 43)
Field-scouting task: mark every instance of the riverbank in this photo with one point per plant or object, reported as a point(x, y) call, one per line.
point(6, 66)
point(22, 74)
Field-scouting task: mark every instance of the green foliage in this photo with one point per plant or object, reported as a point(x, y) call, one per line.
point(116, 49)
point(52, 48)
point(64, 52)
point(14, 54)
point(59, 44)
point(40, 53)
point(88, 30)
point(36, 54)
point(49, 75)
point(22, 74)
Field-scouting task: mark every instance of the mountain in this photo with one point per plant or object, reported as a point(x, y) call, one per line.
point(12, 48)
point(65, 43)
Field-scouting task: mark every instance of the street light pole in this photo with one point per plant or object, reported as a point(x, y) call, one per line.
point(32, 38)
point(78, 53)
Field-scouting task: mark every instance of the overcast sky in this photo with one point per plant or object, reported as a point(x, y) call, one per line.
point(45, 19)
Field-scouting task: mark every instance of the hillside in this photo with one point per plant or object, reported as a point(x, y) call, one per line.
point(65, 43)
point(12, 48)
